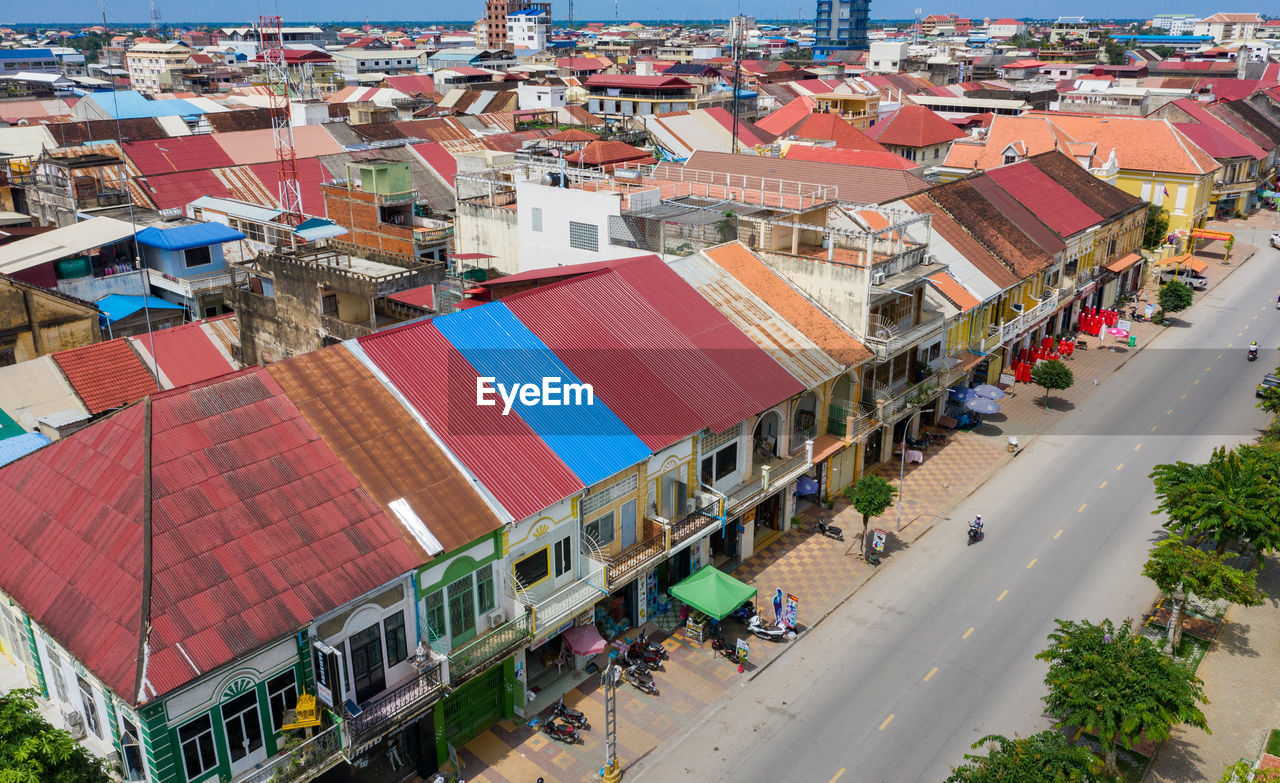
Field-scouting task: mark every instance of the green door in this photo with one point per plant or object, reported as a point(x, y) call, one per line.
point(474, 707)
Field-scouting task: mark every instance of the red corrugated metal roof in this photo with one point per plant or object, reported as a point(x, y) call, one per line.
point(184, 153)
point(257, 528)
point(439, 159)
point(424, 296)
point(1047, 200)
point(311, 172)
point(106, 375)
point(631, 82)
point(512, 462)
point(185, 353)
point(179, 190)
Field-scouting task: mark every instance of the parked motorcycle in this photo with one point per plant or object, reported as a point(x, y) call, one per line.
point(638, 652)
point(724, 648)
point(640, 678)
point(657, 648)
point(830, 531)
point(570, 715)
point(744, 612)
point(770, 631)
point(561, 732)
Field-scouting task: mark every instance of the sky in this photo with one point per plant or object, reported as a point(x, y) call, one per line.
point(240, 11)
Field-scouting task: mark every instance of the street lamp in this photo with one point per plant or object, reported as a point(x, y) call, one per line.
point(902, 465)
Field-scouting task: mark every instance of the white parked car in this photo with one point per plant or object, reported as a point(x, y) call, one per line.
point(1275, 240)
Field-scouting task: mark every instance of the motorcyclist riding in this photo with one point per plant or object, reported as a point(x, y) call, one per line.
point(976, 524)
point(1253, 349)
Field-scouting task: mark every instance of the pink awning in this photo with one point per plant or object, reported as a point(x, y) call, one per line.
point(585, 640)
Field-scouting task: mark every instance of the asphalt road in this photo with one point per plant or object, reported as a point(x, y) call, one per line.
point(938, 649)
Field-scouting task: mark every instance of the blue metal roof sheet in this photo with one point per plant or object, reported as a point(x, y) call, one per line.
point(131, 104)
point(590, 439)
point(117, 306)
point(20, 446)
point(189, 236)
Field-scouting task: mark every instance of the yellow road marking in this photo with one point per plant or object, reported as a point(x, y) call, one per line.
point(1183, 397)
point(1170, 411)
point(966, 634)
point(1207, 369)
point(932, 672)
point(886, 721)
point(1230, 344)
point(1155, 427)
point(1002, 595)
point(1082, 507)
point(1055, 535)
point(1255, 318)
point(1220, 355)
point(1195, 382)
point(1103, 485)
point(1121, 465)
point(837, 775)
point(1135, 448)
point(1239, 334)
point(1033, 562)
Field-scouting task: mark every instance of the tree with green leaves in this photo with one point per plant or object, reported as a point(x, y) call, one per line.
point(1157, 227)
point(1117, 685)
point(1163, 51)
point(33, 751)
point(870, 497)
point(1047, 757)
point(1052, 375)
point(1115, 53)
point(1243, 772)
point(1234, 497)
point(1175, 296)
point(1179, 569)
point(1270, 401)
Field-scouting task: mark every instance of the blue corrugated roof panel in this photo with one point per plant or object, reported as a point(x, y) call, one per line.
point(188, 236)
point(20, 446)
point(131, 104)
point(26, 54)
point(590, 439)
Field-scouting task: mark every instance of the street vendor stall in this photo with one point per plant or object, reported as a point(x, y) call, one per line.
point(713, 593)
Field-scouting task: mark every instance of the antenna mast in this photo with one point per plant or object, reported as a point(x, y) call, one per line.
point(738, 33)
point(155, 14)
point(271, 43)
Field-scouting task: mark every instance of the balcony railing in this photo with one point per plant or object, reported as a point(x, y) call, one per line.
point(694, 522)
point(430, 236)
point(306, 762)
point(566, 603)
point(851, 422)
point(888, 339)
point(787, 471)
point(387, 712)
point(482, 652)
point(343, 330)
point(633, 559)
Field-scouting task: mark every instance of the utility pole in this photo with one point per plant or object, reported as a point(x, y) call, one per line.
point(612, 771)
point(737, 74)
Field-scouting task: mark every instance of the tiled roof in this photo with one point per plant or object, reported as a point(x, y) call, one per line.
point(601, 153)
point(106, 375)
point(954, 291)
point(255, 529)
point(240, 120)
point(821, 126)
point(1105, 199)
point(389, 452)
point(779, 120)
point(973, 251)
point(914, 126)
point(747, 268)
point(986, 222)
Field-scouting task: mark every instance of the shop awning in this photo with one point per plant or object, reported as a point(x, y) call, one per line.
point(713, 592)
point(1124, 262)
point(1205, 233)
point(1186, 261)
point(585, 640)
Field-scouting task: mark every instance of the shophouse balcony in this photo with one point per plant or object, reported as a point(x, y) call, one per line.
point(636, 558)
point(475, 656)
point(887, 339)
point(307, 761)
point(366, 724)
point(766, 477)
point(561, 606)
point(694, 522)
point(192, 286)
point(851, 421)
point(894, 399)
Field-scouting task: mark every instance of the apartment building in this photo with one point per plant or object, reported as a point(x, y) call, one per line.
point(148, 62)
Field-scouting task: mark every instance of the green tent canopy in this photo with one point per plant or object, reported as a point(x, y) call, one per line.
point(713, 592)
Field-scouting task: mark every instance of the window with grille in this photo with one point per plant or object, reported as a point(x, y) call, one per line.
point(615, 491)
point(393, 633)
point(282, 691)
point(602, 530)
point(532, 569)
point(712, 442)
point(55, 668)
point(584, 236)
point(564, 556)
point(196, 739)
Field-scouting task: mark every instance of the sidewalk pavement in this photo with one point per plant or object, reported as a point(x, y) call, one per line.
point(1240, 682)
point(822, 572)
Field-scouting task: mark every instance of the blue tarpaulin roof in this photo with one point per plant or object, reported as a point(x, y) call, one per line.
point(117, 306)
point(189, 236)
point(131, 104)
point(590, 439)
point(20, 446)
point(318, 228)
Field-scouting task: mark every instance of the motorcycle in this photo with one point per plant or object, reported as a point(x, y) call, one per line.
point(724, 648)
point(830, 531)
point(743, 612)
point(640, 678)
point(569, 715)
point(661, 651)
point(976, 534)
point(1253, 354)
point(773, 633)
point(641, 653)
point(561, 732)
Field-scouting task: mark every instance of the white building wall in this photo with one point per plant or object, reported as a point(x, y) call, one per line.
point(545, 214)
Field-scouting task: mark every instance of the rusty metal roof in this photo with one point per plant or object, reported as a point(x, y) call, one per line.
point(383, 444)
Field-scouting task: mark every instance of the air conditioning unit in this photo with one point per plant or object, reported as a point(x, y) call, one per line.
point(706, 499)
point(1017, 308)
point(877, 278)
point(497, 617)
point(75, 723)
